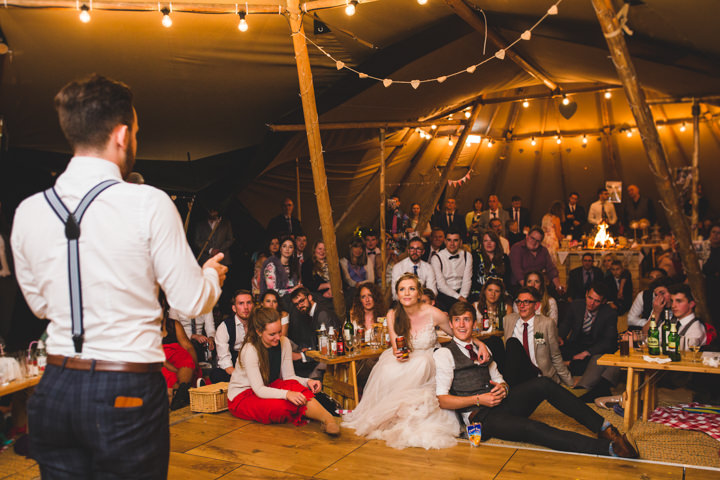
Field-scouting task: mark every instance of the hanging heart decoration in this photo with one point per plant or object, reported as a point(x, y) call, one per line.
point(415, 84)
point(568, 110)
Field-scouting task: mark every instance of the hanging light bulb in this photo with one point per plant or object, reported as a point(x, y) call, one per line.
point(467, 113)
point(84, 14)
point(608, 94)
point(683, 127)
point(526, 104)
point(532, 141)
point(422, 2)
point(584, 139)
point(450, 117)
point(243, 25)
point(450, 141)
point(629, 133)
point(433, 126)
point(558, 139)
point(565, 100)
point(166, 20)
point(350, 9)
point(490, 144)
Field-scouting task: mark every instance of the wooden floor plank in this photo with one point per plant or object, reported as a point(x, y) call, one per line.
point(701, 474)
point(198, 468)
point(377, 460)
point(551, 465)
point(300, 450)
point(195, 431)
point(247, 471)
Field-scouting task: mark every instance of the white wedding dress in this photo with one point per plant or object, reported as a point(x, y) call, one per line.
point(399, 404)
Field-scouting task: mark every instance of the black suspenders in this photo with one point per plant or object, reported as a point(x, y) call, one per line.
point(72, 233)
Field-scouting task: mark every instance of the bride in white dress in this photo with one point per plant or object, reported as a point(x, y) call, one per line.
point(399, 403)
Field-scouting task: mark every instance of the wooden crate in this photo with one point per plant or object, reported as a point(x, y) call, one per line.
point(210, 398)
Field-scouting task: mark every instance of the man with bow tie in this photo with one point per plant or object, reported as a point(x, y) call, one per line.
point(453, 272)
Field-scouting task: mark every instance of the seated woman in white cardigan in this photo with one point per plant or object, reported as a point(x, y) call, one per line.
point(264, 387)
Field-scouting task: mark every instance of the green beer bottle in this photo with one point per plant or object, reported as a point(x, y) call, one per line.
point(653, 339)
point(348, 331)
point(673, 343)
point(667, 319)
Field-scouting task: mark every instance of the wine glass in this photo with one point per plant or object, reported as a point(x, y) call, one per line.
point(694, 344)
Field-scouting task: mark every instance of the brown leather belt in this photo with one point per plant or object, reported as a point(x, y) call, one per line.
point(102, 365)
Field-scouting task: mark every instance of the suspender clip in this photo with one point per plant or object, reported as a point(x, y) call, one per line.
point(78, 342)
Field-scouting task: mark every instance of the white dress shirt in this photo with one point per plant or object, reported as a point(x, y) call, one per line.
point(595, 213)
point(453, 276)
point(634, 317)
point(696, 331)
point(425, 273)
point(132, 244)
point(518, 333)
point(505, 245)
point(445, 370)
point(222, 342)
point(204, 324)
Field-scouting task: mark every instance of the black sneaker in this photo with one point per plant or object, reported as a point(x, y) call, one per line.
point(181, 398)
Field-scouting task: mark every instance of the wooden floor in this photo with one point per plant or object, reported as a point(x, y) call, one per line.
point(213, 446)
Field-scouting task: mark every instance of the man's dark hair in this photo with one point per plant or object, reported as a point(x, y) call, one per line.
point(662, 271)
point(240, 292)
point(537, 228)
point(617, 263)
point(435, 229)
point(460, 308)
point(509, 222)
point(588, 255)
point(601, 190)
point(682, 288)
point(574, 193)
point(600, 289)
point(300, 291)
point(370, 232)
point(416, 240)
point(532, 291)
point(453, 231)
point(516, 198)
point(660, 282)
point(429, 293)
point(496, 220)
point(89, 110)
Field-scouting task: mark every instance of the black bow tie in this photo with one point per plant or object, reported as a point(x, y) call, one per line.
point(372, 252)
point(452, 257)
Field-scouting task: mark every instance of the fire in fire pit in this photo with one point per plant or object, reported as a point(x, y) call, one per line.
point(602, 237)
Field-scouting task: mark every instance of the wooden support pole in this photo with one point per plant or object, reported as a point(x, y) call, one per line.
point(427, 207)
point(695, 169)
point(361, 194)
point(297, 188)
point(463, 11)
point(656, 155)
point(358, 125)
point(383, 210)
point(307, 95)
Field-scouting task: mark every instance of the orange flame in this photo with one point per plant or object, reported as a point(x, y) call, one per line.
point(603, 238)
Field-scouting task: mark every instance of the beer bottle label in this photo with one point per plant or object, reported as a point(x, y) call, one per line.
point(653, 342)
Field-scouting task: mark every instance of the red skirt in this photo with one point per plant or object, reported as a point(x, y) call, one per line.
point(178, 357)
point(249, 406)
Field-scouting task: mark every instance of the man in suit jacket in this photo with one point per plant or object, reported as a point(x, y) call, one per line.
point(620, 288)
point(589, 330)
point(575, 218)
point(306, 318)
point(582, 277)
point(450, 219)
point(531, 343)
point(285, 224)
point(494, 210)
point(220, 241)
point(519, 213)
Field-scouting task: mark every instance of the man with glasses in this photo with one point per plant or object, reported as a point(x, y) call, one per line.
point(589, 330)
point(285, 224)
point(414, 264)
point(530, 256)
point(453, 272)
point(305, 320)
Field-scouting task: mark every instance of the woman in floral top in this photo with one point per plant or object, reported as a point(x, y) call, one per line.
point(280, 271)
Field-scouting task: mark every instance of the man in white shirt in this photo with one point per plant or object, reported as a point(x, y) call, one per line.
point(602, 209)
point(230, 335)
point(690, 328)
point(453, 272)
point(658, 299)
point(478, 393)
point(101, 408)
point(413, 264)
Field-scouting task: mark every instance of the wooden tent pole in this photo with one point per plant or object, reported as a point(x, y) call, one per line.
point(695, 169)
point(307, 94)
point(383, 206)
point(360, 196)
point(297, 188)
point(427, 206)
point(656, 155)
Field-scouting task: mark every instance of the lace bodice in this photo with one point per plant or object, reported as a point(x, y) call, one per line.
point(425, 338)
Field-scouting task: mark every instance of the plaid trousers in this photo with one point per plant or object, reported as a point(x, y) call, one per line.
point(77, 432)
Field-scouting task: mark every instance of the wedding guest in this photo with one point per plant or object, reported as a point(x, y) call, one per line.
point(367, 305)
point(547, 305)
point(489, 261)
point(280, 271)
point(264, 387)
point(413, 220)
point(271, 299)
point(358, 266)
point(316, 274)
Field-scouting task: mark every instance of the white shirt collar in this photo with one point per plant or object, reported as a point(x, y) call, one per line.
point(92, 167)
point(312, 309)
point(687, 319)
point(530, 322)
point(461, 343)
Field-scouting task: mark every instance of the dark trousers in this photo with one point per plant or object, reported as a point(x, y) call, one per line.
point(444, 302)
point(569, 350)
point(218, 375)
point(509, 420)
point(76, 431)
point(518, 366)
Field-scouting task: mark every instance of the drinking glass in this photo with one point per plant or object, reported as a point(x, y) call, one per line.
point(357, 344)
point(694, 344)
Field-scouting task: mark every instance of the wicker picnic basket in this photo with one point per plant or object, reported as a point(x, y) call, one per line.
point(210, 398)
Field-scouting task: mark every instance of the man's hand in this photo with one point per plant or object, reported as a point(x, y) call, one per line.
point(296, 356)
point(314, 385)
point(199, 338)
point(658, 306)
point(483, 352)
point(499, 389)
point(230, 370)
point(581, 355)
point(296, 398)
point(461, 299)
point(214, 263)
point(211, 343)
point(491, 399)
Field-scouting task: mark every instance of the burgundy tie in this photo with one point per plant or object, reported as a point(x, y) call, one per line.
point(526, 346)
point(473, 355)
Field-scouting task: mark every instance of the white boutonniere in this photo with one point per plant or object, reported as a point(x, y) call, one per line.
point(539, 338)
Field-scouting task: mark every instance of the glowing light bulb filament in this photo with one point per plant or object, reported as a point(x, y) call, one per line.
point(84, 14)
point(243, 25)
point(533, 142)
point(350, 9)
point(166, 20)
